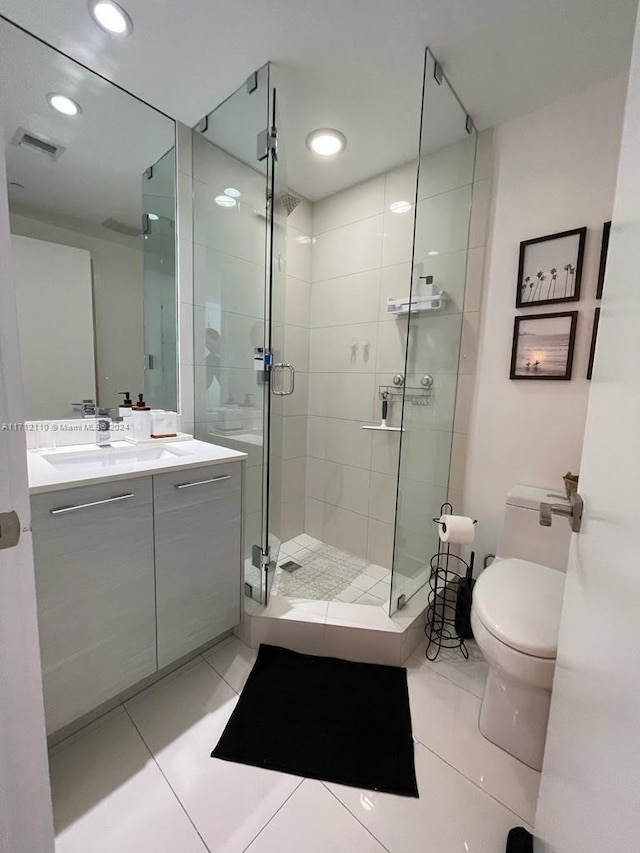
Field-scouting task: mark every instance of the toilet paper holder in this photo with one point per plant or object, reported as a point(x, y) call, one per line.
point(449, 576)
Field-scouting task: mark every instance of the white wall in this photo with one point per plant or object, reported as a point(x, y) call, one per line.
point(55, 322)
point(554, 170)
point(591, 774)
point(118, 293)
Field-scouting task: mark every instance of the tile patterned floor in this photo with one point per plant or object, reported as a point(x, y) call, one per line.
point(329, 574)
point(140, 780)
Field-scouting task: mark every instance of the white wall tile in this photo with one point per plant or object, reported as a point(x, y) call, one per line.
point(336, 526)
point(474, 279)
point(380, 543)
point(350, 249)
point(338, 440)
point(343, 395)
point(464, 400)
point(469, 343)
point(443, 222)
point(447, 169)
point(294, 436)
point(480, 213)
point(382, 499)
point(297, 302)
point(346, 300)
point(359, 202)
point(184, 149)
point(299, 247)
point(293, 479)
point(296, 347)
point(397, 244)
point(185, 311)
point(400, 185)
point(484, 155)
point(185, 271)
point(344, 349)
point(395, 283)
point(341, 485)
point(302, 217)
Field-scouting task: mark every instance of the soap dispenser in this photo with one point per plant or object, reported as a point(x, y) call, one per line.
point(126, 405)
point(141, 415)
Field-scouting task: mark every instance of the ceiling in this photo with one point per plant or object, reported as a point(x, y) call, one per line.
point(107, 148)
point(351, 64)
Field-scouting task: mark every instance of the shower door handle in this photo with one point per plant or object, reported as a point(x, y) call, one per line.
point(283, 392)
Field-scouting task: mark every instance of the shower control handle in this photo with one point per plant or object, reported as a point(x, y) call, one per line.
point(385, 409)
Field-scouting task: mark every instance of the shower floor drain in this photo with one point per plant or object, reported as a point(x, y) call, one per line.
point(290, 566)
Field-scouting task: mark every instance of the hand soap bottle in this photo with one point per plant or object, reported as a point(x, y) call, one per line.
point(126, 405)
point(141, 415)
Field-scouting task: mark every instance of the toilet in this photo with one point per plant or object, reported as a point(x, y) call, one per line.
point(515, 617)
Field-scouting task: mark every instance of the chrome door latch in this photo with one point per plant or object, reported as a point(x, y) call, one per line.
point(571, 511)
point(9, 529)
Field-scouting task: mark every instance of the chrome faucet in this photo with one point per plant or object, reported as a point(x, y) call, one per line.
point(571, 511)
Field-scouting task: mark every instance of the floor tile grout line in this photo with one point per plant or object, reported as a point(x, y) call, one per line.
point(468, 778)
point(279, 809)
point(211, 666)
point(164, 776)
point(354, 816)
point(424, 662)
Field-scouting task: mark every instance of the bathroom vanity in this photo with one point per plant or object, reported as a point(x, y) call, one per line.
point(138, 558)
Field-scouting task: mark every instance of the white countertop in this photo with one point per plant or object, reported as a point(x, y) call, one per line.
point(46, 477)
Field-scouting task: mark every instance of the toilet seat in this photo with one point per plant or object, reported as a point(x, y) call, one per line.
point(519, 603)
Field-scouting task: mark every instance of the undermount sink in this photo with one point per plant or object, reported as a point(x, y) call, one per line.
point(106, 457)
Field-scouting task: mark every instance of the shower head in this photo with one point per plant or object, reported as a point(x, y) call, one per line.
point(289, 202)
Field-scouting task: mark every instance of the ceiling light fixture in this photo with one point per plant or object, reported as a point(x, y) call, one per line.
point(225, 201)
point(326, 142)
point(62, 104)
point(111, 17)
point(400, 206)
point(232, 192)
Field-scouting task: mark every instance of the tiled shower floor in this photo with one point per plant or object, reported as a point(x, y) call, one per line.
point(329, 574)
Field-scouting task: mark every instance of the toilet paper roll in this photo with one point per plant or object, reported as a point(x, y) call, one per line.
point(456, 529)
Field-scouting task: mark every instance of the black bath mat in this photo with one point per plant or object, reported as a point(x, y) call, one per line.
point(324, 718)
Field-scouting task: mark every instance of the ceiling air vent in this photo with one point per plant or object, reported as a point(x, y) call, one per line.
point(122, 227)
point(37, 144)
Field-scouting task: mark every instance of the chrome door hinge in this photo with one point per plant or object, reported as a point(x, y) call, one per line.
point(9, 529)
point(266, 143)
point(260, 559)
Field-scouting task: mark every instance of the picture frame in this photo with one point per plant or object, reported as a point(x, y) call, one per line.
point(543, 346)
point(550, 268)
point(604, 250)
point(594, 338)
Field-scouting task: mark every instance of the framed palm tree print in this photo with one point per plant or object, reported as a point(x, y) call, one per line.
point(550, 268)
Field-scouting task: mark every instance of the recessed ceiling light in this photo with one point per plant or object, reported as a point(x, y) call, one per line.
point(326, 142)
point(432, 253)
point(225, 201)
point(153, 217)
point(232, 192)
point(400, 206)
point(63, 105)
point(111, 17)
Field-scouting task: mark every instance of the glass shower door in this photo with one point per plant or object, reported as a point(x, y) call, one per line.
point(441, 245)
point(238, 299)
point(159, 290)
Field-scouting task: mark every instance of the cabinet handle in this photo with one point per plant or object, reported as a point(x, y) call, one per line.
point(203, 482)
point(64, 509)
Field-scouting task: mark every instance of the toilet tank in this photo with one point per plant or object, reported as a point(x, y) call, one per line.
point(524, 537)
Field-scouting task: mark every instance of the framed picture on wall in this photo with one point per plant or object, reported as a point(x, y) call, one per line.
point(604, 249)
point(550, 268)
point(594, 338)
point(543, 346)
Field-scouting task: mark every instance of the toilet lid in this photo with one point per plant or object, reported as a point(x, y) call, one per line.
point(520, 603)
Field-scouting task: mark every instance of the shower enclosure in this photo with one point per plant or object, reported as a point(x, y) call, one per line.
point(277, 374)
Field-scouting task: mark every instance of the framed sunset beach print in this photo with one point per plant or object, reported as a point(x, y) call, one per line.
point(543, 346)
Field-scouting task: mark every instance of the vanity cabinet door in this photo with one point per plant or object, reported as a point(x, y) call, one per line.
point(198, 556)
point(95, 592)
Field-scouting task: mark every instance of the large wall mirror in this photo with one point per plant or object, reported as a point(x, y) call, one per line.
point(92, 201)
